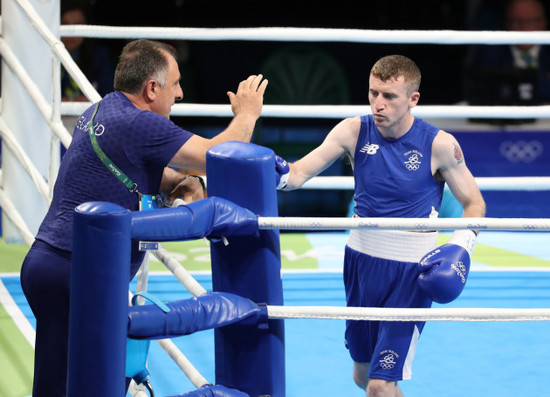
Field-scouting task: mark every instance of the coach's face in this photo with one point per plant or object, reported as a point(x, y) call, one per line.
point(166, 96)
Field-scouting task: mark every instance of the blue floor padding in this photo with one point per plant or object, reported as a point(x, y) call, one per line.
point(453, 358)
point(472, 359)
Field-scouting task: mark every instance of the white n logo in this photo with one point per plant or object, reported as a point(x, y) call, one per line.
point(369, 148)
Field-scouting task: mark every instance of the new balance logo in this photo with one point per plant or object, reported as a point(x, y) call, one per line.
point(369, 148)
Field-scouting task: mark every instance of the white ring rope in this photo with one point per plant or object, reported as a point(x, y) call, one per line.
point(346, 35)
point(449, 37)
point(337, 223)
point(15, 148)
point(424, 111)
point(297, 34)
point(58, 48)
point(398, 314)
point(326, 35)
point(14, 215)
point(514, 183)
point(180, 359)
point(42, 104)
point(183, 276)
point(520, 183)
point(183, 363)
point(343, 111)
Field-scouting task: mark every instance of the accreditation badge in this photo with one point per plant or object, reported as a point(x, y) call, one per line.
point(149, 202)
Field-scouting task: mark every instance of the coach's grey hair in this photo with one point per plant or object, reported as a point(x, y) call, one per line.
point(140, 61)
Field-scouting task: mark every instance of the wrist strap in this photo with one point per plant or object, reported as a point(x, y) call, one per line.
point(199, 178)
point(467, 239)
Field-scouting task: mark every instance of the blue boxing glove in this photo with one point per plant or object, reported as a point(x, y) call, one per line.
point(282, 172)
point(444, 271)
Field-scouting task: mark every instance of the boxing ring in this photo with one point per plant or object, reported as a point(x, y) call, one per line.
point(234, 259)
point(271, 357)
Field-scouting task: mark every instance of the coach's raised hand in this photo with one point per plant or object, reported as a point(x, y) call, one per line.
point(246, 105)
point(248, 100)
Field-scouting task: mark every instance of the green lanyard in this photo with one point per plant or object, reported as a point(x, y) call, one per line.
point(121, 176)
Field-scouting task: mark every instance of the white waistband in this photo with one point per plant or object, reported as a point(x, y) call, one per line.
point(394, 245)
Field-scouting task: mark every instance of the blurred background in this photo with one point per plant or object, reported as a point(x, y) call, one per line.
point(337, 74)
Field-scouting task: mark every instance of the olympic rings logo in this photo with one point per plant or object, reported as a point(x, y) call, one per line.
point(478, 226)
point(369, 225)
point(388, 362)
point(413, 163)
point(521, 151)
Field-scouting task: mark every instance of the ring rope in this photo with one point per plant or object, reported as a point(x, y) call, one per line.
point(342, 111)
point(8, 138)
point(339, 223)
point(424, 111)
point(399, 314)
point(183, 276)
point(314, 35)
point(515, 183)
point(50, 113)
point(520, 183)
point(15, 217)
point(44, 106)
point(180, 359)
point(450, 37)
point(58, 48)
point(183, 363)
point(318, 34)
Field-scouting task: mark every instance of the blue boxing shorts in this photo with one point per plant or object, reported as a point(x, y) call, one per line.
point(388, 346)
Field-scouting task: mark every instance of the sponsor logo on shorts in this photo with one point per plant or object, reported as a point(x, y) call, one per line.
point(387, 361)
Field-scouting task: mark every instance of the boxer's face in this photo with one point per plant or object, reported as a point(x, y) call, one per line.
point(390, 100)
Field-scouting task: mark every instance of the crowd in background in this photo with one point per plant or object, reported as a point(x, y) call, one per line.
point(334, 73)
point(208, 65)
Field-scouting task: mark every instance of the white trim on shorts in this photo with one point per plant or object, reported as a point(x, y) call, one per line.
point(407, 366)
point(394, 245)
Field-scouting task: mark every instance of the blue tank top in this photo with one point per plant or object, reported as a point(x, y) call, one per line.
point(393, 177)
point(140, 143)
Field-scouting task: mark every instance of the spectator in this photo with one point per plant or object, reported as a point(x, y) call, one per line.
point(93, 58)
point(516, 74)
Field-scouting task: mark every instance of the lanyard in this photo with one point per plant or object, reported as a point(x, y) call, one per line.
point(146, 201)
point(121, 176)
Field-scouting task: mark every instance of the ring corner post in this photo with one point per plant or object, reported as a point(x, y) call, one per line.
point(99, 300)
point(248, 358)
